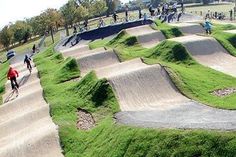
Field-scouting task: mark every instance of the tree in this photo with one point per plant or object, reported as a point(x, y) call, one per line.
point(99, 7)
point(69, 12)
point(51, 18)
point(21, 31)
point(81, 13)
point(6, 36)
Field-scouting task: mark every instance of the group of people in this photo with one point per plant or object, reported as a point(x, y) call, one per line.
point(13, 74)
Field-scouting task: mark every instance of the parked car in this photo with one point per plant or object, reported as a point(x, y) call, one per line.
point(10, 54)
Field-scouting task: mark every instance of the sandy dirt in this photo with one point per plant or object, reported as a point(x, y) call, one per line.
point(26, 127)
point(209, 52)
point(147, 36)
point(189, 28)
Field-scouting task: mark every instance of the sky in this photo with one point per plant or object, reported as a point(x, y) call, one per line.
point(12, 10)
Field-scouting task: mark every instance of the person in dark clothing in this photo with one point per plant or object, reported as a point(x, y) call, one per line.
point(126, 13)
point(34, 48)
point(231, 14)
point(12, 75)
point(115, 17)
point(27, 61)
point(75, 30)
point(86, 24)
point(139, 13)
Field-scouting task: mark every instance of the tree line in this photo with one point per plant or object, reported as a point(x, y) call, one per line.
point(51, 20)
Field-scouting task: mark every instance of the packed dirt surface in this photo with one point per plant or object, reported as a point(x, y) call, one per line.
point(207, 51)
point(74, 50)
point(85, 120)
point(146, 36)
point(189, 28)
point(231, 31)
point(26, 127)
point(91, 61)
point(148, 98)
point(141, 87)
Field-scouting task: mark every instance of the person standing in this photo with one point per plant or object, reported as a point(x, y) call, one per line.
point(126, 13)
point(208, 27)
point(12, 75)
point(34, 48)
point(231, 14)
point(139, 12)
point(115, 17)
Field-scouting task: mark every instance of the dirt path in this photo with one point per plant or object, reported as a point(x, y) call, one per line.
point(26, 127)
point(189, 28)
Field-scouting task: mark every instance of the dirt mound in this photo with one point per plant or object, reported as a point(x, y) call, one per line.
point(74, 50)
point(26, 126)
point(209, 52)
point(141, 87)
point(189, 28)
point(96, 60)
point(147, 36)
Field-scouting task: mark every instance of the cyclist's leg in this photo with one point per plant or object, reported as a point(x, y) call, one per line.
point(15, 82)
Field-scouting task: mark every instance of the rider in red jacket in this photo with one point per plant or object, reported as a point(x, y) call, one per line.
point(12, 75)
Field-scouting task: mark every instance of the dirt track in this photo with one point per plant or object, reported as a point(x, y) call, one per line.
point(189, 28)
point(26, 127)
point(147, 36)
point(207, 51)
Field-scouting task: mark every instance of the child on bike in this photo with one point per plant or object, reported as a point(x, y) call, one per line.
point(12, 75)
point(208, 27)
point(27, 60)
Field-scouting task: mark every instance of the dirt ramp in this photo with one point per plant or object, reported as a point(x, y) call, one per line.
point(146, 88)
point(84, 53)
point(74, 50)
point(209, 52)
point(189, 28)
point(119, 68)
point(97, 60)
point(147, 36)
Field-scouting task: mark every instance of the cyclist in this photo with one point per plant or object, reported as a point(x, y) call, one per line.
point(12, 75)
point(27, 61)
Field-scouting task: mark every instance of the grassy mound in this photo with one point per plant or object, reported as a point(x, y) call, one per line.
point(167, 30)
point(171, 51)
point(67, 71)
point(227, 40)
point(3, 78)
point(109, 139)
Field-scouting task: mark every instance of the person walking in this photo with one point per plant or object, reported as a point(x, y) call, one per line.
point(27, 61)
point(144, 18)
point(12, 75)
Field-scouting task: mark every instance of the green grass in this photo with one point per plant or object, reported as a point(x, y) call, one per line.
point(3, 78)
point(167, 30)
point(110, 139)
point(227, 40)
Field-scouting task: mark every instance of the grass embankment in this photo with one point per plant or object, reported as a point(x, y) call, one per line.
point(3, 78)
point(194, 80)
point(227, 40)
point(107, 138)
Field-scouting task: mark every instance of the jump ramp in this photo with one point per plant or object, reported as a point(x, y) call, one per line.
point(189, 28)
point(147, 36)
point(207, 51)
point(90, 61)
point(26, 127)
point(152, 100)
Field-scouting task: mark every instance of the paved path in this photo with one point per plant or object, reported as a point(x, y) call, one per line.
point(27, 129)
